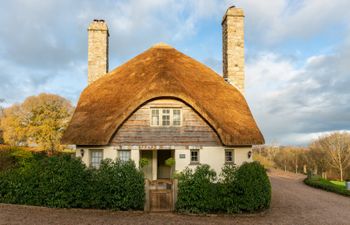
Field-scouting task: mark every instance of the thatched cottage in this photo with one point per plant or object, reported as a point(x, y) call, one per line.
point(164, 104)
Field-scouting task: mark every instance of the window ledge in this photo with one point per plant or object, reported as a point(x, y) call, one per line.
point(194, 163)
point(230, 163)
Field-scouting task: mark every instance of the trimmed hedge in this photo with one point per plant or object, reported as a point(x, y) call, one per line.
point(196, 191)
point(65, 182)
point(117, 185)
point(326, 185)
point(253, 187)
point(246, 189)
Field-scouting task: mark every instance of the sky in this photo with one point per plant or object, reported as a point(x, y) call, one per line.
point(297, 53)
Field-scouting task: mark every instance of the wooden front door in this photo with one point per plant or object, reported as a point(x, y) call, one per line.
point(161, 196)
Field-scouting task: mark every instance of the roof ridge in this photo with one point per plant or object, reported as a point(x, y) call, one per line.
point(161, 45)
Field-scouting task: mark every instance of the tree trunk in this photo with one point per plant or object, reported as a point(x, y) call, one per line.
point(341, 174)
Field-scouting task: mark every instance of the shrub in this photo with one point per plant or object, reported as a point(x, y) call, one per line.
point(196, 191)
point(246, 189)
point(253, 188)
point(7, 160)
point(64, 182)
point(11, 157)
point(58, 181)
point(228, 192)
point(320, 183)
point(117, 185)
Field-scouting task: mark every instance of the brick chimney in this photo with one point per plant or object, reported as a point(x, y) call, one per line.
point(233, 47)
point(97, 50)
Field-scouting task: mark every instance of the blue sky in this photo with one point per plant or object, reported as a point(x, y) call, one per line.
point(297, 52)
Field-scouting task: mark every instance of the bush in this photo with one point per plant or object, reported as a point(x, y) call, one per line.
point(65, 182)
point(320, 183)
point(58, 181)
point(11, 157)
point(253, 188)
point(246, 189)
point(196, 191)
point(117, 185)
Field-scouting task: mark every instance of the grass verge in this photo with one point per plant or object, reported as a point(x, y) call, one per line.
point(331, 186)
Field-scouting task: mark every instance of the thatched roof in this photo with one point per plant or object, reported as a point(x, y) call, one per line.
point(161, 72)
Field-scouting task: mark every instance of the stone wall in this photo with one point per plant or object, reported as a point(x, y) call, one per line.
point(233, 47)
point(97, 50)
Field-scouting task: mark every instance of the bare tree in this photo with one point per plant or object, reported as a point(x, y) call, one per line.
point(337, 147)
point(318, 159)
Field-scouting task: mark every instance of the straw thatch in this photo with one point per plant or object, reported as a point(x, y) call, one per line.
point(159, 72)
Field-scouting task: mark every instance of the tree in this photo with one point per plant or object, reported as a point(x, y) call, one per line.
point(39, 120)
point(337, 148)
point(318, 159)
point(1, 116)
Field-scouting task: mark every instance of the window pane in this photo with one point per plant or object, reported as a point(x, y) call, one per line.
point(176, 117)
point(166, 120)
point(194, 156)
point(228, 156)
point(96, 158)
point(155, 117)
point(124, 155)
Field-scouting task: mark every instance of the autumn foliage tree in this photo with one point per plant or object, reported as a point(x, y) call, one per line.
point(1, 116)
point(39, 120)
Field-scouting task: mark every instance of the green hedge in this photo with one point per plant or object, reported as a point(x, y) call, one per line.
point(326, 185)
point(11, 157)
point(65, 182)
point(246, 189)
point(117, 185)
point(196, 191)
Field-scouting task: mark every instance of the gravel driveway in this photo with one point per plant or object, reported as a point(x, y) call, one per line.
point(292, 203)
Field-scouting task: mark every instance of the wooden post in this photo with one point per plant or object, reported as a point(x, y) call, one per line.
point(147, 200)
point(175, 189)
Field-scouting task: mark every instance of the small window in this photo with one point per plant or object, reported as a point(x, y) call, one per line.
point(155, 117)
point(124, 155)
point(229, 156)
point(195, 156)
point(176, 117)
point(166, 117)
point(96, 158)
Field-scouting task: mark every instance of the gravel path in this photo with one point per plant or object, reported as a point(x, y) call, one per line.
point(292, 203)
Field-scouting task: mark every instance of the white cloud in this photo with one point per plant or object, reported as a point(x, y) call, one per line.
point(292, 103)
point(274, 21)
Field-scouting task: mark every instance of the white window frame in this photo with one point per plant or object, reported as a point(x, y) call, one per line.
point(123, 151)
point(160, 117)
point(198, 156)
point(95, 164)
point(233, 156)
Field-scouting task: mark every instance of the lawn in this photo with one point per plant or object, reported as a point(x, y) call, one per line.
point(340, 184)
point(332, 186)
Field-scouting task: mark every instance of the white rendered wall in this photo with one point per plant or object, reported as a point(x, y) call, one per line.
point(213, 156)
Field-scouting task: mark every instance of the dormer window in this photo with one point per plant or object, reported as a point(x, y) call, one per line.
point(166, 117)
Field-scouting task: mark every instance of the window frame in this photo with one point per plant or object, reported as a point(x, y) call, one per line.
point(123, 151)
point(233, 156)
point(92, 164)
point(161, 114)
point(198, 157)
point(158, 117)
